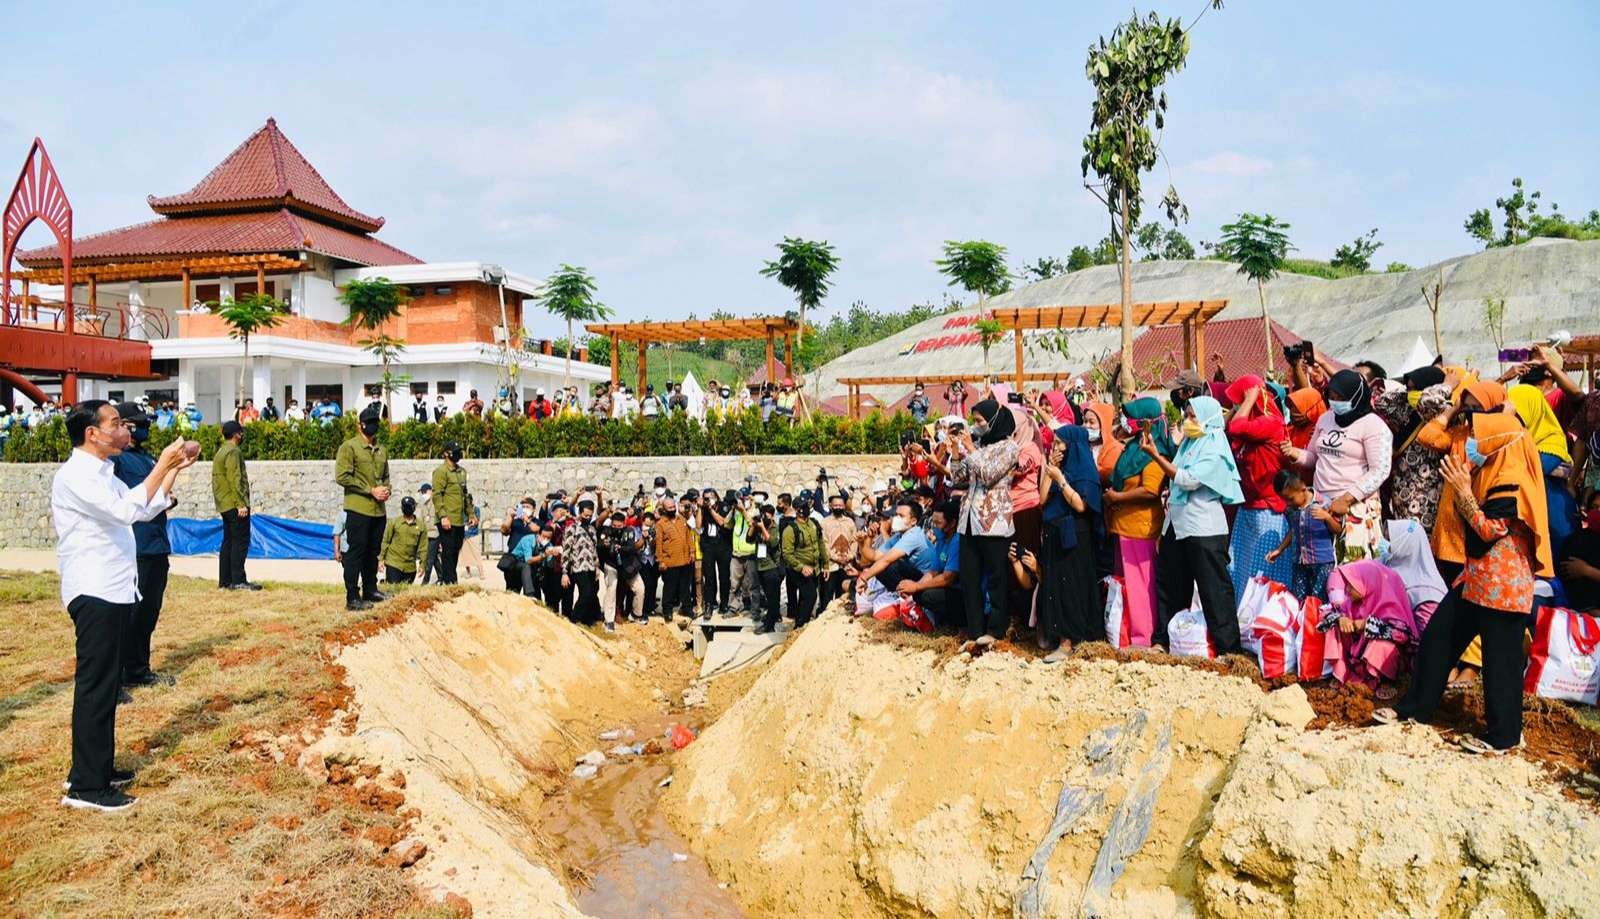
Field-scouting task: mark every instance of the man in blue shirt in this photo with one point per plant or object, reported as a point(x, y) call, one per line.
point(132, 466)
point(912, 565)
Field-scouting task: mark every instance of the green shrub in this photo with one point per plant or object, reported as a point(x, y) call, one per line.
point(506, 438)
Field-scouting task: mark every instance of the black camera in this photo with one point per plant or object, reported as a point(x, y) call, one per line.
point(1299, 353)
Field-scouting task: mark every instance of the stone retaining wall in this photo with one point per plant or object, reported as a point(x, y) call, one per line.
point(306, 490)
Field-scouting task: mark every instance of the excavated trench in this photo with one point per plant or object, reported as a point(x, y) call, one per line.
point(859, 777)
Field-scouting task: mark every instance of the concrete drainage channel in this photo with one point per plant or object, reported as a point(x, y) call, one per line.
point(847, 775)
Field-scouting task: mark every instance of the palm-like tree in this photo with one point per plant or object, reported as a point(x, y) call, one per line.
point(372, 304)
point(569, 294)
point(803, 266)
point(246, 317)
point(1259, 244)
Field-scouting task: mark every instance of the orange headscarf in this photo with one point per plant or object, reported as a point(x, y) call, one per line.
point(1110, 447)
point(1490, 395)
point(1307, 402)
point(1512, 468)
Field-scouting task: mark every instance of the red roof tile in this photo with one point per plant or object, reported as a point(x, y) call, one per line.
point(1237, 345)
point(225, 234)
point(266, 169)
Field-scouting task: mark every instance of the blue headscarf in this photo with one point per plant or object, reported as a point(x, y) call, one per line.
point(1133, 460)
point(1078, 465)
point(1280, 395)
point(1208, 457)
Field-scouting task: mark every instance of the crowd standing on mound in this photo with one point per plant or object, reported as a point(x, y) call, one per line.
point(1423, 519)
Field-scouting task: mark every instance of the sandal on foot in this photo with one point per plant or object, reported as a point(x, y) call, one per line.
point(1474, 744)
point(1385, 716)
point(1387, 693)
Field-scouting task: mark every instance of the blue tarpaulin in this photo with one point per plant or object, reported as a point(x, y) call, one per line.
point(270, 537)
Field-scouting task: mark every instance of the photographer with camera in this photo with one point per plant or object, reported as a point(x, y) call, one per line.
point(801, 550)
point(716, 552)
point(764, 533)
point(620, 546)
point(746, 579)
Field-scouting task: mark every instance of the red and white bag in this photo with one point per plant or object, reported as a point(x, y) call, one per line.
point(1312, 644)
point(913, 616)
point(1255, 593)
point(1275, 632)
point(1565, 660)
point(1117, 630)
point(1188, 636)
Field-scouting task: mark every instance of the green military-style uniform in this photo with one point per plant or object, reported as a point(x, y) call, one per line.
point(360, 468)
point(403, 540)
point(450, 495)
point(230, 481)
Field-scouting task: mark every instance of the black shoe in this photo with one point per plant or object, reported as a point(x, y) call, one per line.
point(356, 606)
point(120, 778)
point(764, 628)
point(250, 585)
point(122, 697)
point(376, 596)
point(108, 801)
point(149, 678)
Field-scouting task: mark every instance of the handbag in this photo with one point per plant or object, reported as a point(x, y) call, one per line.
point(507, 563)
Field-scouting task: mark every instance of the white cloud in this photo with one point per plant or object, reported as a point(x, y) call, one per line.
point(1232, 164)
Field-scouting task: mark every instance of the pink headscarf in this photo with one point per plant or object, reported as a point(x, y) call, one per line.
point(1383, 595)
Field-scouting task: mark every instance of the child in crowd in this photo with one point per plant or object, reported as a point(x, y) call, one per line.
point(1311, 533)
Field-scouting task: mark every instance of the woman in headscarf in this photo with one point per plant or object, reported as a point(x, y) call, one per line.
point(1194, 543)
point(1412, 559)
point(1305, 407)
point(1374, 632)
point(1069, 611)
point(1550, 439)
point(1498, 494)
point(984, 468)
point(1134, 514)
point(1349, 456)
point(1257, 432)
point(1100, 422)
point(1416, 481)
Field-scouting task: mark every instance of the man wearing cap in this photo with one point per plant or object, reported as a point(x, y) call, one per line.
point(540, 408)
point(361, 468)
point(1186, 386)
point(402, 544)
point(674, 559)
point(650, 405)
point(131, 467)
point(230, 486)
point(450, 510)
point(746, 596)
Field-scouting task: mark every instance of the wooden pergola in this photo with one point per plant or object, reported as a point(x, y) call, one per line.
point(167, 270)
point(1589, 347)
point(853, 385)
point(1191, 314)
point(644, 334)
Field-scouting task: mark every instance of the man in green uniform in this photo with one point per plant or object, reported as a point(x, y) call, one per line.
point(362, 468)
point(230, 486)
point(402, 544)
point(450, 510)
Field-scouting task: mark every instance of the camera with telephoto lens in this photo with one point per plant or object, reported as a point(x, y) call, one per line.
point(1299, 353)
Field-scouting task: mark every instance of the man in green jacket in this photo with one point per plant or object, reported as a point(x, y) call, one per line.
point(450, 510)
point(800, 549)
point(361, 467)
point(402, 544)
point(230, 486)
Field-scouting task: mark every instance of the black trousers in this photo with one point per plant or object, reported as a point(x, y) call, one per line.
point(235, 546)
point(677, 591)
point(832, 585)
point(805, 597)
point(365, 535)
point(771, 594)
point(429, 567)
point(450, 552)
point(394, 576)
point(1182, 567)
point(716, 563)
point(153, 570)
point(935, 599)
point(558, 598)
point(1453, 626)
point(99, 626)
point(985, 561)
point(586, 608)
point(651, 576)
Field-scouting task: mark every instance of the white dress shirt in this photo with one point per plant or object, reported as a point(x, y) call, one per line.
point(94, 515)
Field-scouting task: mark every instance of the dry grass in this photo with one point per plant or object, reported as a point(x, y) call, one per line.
point(215, 832)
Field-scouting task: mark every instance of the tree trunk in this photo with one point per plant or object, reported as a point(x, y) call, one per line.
point(568, 380)
point(1266, 322)
point(800, 333)
point(1438, 292)
point(1125, 380)
point(243, 369)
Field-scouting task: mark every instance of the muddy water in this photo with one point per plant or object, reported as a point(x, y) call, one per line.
point(610, 828)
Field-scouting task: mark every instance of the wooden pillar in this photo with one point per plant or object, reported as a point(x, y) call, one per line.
point(1200, 347)
point(1016, 334)
point(1188, 342)
point(614, 357)
point(261, 278)
point(772, 366)
point(641, 345)
point(788, 355)
point(94, 292)
point(188, 297)
point(33, 313)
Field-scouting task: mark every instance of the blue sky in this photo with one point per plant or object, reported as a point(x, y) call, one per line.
point(667, 146)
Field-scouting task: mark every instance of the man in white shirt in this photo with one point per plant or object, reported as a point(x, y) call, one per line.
point(94, 513)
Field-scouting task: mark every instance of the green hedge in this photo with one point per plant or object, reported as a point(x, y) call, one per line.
point(511, 438)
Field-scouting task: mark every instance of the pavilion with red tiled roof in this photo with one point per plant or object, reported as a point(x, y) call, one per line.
point(1234, 348)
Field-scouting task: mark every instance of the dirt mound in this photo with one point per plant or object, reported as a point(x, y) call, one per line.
point(859, 778)
point(482, 703)
point(1328, 823)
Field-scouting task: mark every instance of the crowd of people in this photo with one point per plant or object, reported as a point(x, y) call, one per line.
point(1429, 514)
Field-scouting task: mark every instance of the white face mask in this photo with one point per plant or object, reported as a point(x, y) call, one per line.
point(660, 492)
point(899, 524)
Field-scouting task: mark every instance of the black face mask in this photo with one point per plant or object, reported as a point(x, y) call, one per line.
point(369, 428)
point(836, 511)
point(668, 512)
point(453, 456)
point(1180, 397)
